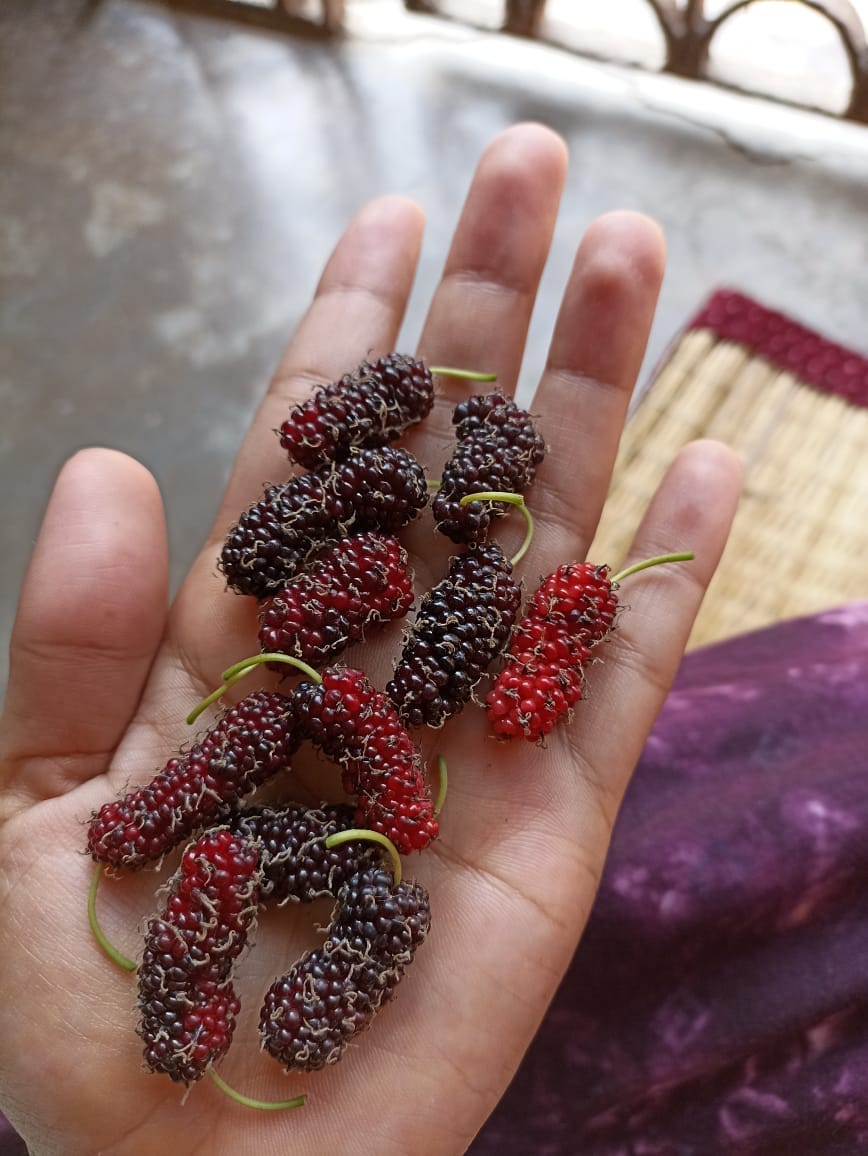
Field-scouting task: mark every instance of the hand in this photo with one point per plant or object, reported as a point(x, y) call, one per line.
point(102, 678)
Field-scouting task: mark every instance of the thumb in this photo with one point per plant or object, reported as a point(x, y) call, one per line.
point(91, 615)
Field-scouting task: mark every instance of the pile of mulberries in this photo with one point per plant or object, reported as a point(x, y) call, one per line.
point(377, 490)
point(321, 554)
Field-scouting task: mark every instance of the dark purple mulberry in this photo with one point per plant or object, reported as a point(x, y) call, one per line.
point(250, 743)
point(463, 624)
point(353, 585)
point(498, 449)
point(372, 490)
point(370, 407)
point(333, 993)
point(187, 1004)
point(310, 1015)
point(296, 864)
point(376, 918)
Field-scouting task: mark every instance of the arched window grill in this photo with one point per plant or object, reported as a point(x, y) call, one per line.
point(687, 28)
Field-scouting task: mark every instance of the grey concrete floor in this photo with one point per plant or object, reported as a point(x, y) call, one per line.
point(170, 187)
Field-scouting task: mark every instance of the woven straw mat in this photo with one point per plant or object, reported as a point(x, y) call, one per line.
point(795, 407)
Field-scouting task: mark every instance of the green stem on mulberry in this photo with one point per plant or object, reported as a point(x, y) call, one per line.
point(249, 1102)
point(442, 785)
point(235, 673)
point(99, 935)
point(514, 500)
point(373, 837)
point(246, 664)
point(467, 374)
point(656, 561)
point(433, 484)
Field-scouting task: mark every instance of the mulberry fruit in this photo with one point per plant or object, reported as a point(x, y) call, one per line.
point(296, 864)
point(462, 625)
point(187, 1003)
point(572, 611)
point(310, 1015)
point(498, 449)
point(357, 727)
point(333, 993)
point(357, 583)
point(377, 918)
point(370, 407)
point(249, 744)
point(372, 490)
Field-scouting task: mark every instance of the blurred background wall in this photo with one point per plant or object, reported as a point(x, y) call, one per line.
point(171, 183)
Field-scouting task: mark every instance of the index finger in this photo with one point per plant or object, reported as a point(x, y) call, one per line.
point(356, 313)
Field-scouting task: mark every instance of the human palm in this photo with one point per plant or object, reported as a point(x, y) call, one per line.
point(102, 678)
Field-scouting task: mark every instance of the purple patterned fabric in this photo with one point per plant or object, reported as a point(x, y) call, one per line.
point(718, 1002)
point(11, 1143)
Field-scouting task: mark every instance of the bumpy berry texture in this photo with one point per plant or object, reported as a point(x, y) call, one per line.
point(498, 448)
point(249, 744)
point(370, 407)
point(462, 625)
point(374, 917)
point(296, 864)
point(333, 993)
point(571, 612)
point(372, 490)
point(351, 586)
point(578, 595)
point(187, 1004)
point(358, 727)
point(310, 1015)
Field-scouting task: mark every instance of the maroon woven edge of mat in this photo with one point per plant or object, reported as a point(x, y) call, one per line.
point(786, 343)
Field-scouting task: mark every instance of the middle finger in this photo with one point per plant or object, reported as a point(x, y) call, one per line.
point(481, 309)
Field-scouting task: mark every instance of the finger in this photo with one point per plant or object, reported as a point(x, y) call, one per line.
point(90, 618)
point(481, 310)
point(595, 355)
point(692, 511)
point(356, 314)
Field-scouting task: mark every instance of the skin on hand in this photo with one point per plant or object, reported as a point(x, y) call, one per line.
point(103, 674)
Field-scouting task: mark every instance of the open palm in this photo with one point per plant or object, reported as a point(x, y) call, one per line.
point(102, 678)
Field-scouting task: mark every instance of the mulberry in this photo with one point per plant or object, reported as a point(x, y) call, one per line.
point(498, 449)
point(310, 1015)
point(187, 1003)
point(572, 610)
point(357, 727)
point(249, 744)
point(355, 584)
point(462, 625)
point(296, 864)
point(372, 490)
point(370, 407)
